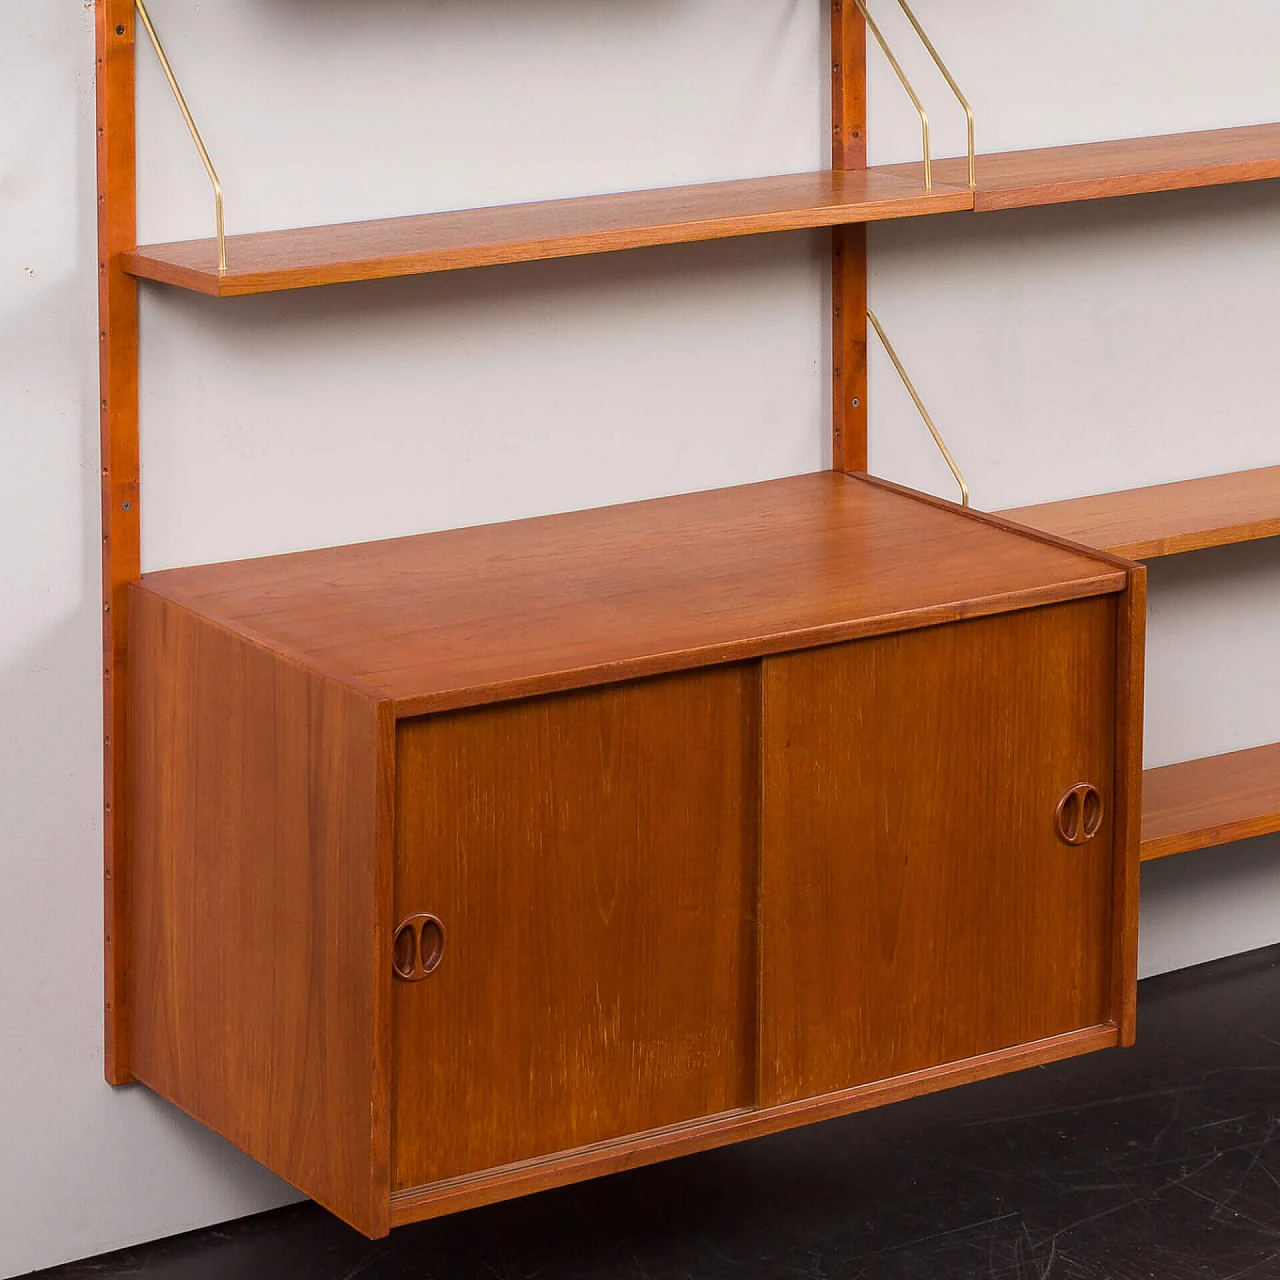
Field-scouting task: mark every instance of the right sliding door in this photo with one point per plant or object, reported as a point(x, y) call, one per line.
point(936, 861)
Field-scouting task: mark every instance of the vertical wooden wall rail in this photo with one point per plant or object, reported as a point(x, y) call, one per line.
point(118, 355)
point(849, 243)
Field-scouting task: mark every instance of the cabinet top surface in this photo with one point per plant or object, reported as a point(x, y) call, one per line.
point(472, 616)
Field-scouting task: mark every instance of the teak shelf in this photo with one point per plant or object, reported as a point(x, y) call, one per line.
point(295, 259)
point(1209, 802)
point(276, 260)
point(455, 867)
point(1124, 167)
point(1166, 519)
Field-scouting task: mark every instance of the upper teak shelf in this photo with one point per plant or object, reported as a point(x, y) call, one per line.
point(275, 260)
point(1127, 167)
point(297, 259)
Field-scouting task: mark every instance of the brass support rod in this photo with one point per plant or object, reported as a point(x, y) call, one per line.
point(955, 88)
point(195, 133)
point(924, 413)
point(906, 84)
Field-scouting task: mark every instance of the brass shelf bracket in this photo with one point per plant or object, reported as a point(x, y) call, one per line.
point(924, 413)
point(906, 84)
point(181, 100)
point(955, 88)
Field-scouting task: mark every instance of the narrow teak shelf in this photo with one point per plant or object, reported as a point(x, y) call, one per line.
point(298, 259)
point(1125, 167)
point(1205, 803)
point(1166, 519)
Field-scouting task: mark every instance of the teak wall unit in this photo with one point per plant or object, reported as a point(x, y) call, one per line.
point(526, 853)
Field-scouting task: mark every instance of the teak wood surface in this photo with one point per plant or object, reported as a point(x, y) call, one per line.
point(917, 906)
point(1122, 167)
point(261, 904)
point(848, 244)
point(299, 258)
point(592, 858)
point(468, 616)
point(120, 476)
point(594, 855)
point(270, 261)
point(1204, 803)
point(1167, 519)
point(602, 1158)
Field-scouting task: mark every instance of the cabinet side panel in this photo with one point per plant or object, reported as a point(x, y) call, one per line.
point(918, 906)
point(259, 797)
point(592, 860)
point(1131, 637)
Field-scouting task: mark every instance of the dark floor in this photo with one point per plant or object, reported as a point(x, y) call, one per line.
point(1158, 1162)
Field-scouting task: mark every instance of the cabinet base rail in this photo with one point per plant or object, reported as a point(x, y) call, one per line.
point(416, 1204)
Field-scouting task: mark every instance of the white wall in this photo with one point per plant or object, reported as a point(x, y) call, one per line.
point(1064, 351)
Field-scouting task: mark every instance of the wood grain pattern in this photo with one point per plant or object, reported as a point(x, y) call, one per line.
point(848, 244)
point(1204, 803)
point(309, 256)
point(592, 857)
point(421, 1203)
point(469, 616)
point(849, 420)
point(917, 907)
point(1131, 642)
point(121, 550)
point(260, 905)
point(1131, 621)
point(848, 87)
point(304, 257)
point(1124, 167)
point(1167, 519)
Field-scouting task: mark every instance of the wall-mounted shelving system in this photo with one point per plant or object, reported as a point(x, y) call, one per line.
point(1188, 806)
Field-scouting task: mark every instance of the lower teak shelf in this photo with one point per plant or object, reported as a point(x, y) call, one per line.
point(1201, 804)
point(469, 864)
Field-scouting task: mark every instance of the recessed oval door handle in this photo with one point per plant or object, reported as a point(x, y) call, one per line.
point(418, 948)
point(1079, 815)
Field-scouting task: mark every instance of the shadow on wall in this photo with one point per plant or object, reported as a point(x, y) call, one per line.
point(1205, 905)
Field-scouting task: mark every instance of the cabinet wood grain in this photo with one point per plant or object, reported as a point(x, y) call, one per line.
point(460, 618)
point(261, 905)
point(525, 768)
point(592, 858)
point(917, 907)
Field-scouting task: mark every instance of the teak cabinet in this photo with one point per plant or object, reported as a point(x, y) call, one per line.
point(473, 863)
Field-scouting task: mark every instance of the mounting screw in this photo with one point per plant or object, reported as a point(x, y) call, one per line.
point(856, 403)
point(120, 29)
point(127, 506)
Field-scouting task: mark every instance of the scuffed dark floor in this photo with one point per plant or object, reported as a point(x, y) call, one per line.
point(1159, 1163)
